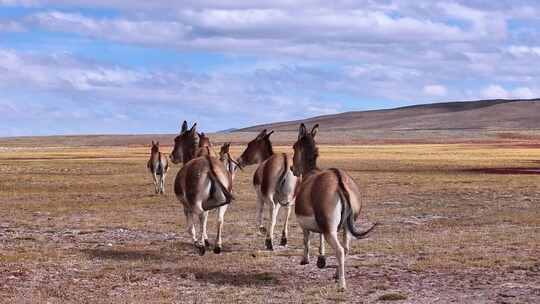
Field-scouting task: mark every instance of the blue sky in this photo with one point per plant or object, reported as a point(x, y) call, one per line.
point(118, 66)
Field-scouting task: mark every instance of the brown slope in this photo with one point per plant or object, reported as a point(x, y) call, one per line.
point(484, 114)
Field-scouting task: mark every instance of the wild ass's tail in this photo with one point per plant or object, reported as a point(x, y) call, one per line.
point(226, 190)
point(348, 214)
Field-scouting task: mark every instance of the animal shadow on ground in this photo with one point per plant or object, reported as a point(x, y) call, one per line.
point(121, 254)
point(232, 278)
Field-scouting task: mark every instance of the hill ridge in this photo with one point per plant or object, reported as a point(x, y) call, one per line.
point(491, 113)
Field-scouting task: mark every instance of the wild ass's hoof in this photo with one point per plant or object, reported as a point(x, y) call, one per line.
point(217, 249)
point(269, 245)
point(283, 240)
point(321, 261)
point(206, 243)
point(304, 262)
point(202, 250)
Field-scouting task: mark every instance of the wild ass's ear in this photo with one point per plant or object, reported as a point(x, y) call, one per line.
point(302, 131)
point(193, 129)
point(157, 143)
point(314, 130)
point(153, 143)
point(261, 134)
point(268, 135)
point(184, 127)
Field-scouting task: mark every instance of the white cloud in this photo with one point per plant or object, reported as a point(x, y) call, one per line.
point(494, 92)
point(497, 91)
point(435, 90)
point(523, 50)
point(523, 93)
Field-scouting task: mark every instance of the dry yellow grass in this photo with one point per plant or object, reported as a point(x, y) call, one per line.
point(83, 225)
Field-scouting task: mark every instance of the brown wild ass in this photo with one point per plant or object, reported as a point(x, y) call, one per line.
point(201, 185)
point(225, 157)
point(204, 145)
point(326, 201)
point(274, 183)
point(158, 166)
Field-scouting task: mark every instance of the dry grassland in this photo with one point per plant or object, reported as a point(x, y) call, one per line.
point(460, 222)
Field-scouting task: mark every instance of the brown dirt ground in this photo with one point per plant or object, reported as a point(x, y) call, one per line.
point(82, 225)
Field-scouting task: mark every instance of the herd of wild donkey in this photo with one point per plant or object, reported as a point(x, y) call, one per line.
point(325, 201)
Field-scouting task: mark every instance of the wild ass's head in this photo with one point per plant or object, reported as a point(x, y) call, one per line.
point(226, 158)
point(185, 144)
point(155, 147)
point(204, 141)
point(257, 150)
point(305, 151)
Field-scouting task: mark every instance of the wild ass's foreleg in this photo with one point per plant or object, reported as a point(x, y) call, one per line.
point(305, 259)
point(333, 240)
point(221, 214)
point(259, 211)
point(285, 232)
point(321, 260)
point(156, 183)
point(274, 210)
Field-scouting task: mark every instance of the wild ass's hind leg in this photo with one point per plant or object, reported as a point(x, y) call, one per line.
point(285, 232)
point(305, 259)
point(191, 225)
point(221, 214)
point(346, 240)
point(333, 240)
point(259, 211)
point(199, 244)
point(163, 175)
point(321, 259)
point(274, 209)
point(203, 218)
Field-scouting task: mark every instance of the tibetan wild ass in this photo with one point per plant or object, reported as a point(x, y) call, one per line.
point(158, 166)
point(326, 201)
point(274, 183)
point(202, 184)
point(204, 145)
point(225, 157)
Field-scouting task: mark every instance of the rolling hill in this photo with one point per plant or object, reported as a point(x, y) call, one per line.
point(467, 115)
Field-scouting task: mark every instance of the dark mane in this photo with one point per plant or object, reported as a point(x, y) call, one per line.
point(269, 147)
point(190, 145)
point(310, 150)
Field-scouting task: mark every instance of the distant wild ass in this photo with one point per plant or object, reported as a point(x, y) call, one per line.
point(273, 181)
point(158, 166)
point(204, 145)
point(327, 201)
point(201, 185)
